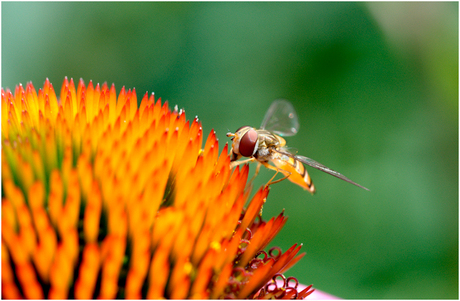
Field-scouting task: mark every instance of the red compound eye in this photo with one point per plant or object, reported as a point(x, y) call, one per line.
point(248, 143)
point(240, 128)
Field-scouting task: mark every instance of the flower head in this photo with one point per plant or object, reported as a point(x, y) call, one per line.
point(105, 199)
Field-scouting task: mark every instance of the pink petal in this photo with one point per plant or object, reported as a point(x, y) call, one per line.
point(316, 295)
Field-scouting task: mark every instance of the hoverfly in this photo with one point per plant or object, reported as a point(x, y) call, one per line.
point(266, 145)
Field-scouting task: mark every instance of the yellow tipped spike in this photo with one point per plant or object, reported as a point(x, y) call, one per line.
point(102, 199)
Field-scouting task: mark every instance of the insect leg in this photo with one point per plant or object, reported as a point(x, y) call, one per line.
point(256, 172)
point(236, 163)
point(277, 171)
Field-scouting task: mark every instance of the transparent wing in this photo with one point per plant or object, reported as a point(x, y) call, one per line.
point(281, 118)
point(326, 169)
point(317, 165)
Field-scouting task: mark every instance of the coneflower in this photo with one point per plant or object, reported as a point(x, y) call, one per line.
point(102, 198)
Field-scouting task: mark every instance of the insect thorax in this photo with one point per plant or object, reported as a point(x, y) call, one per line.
point(262, 154)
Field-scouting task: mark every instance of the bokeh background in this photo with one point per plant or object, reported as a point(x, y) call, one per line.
point(375, 86)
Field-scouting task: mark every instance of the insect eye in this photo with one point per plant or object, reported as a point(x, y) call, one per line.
point(240, 128)
point(248, 143)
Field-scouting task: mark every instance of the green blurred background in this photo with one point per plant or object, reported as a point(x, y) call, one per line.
point(376, 90)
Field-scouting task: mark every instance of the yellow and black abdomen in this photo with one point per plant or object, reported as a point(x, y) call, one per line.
point(299, 174)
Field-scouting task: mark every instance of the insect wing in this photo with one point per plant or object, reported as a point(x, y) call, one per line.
point(281, 118)
point(326, 169)
point(317, 165)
